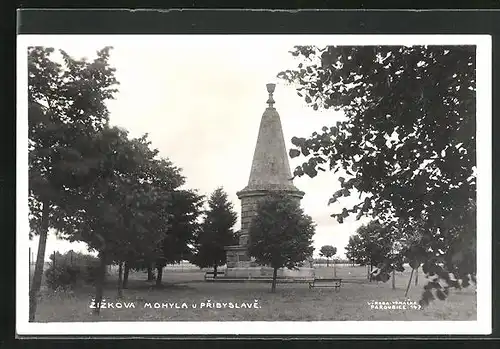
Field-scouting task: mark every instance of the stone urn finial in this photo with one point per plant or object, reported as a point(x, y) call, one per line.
point(270, 90)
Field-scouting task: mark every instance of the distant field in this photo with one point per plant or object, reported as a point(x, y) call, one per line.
point(290, 302)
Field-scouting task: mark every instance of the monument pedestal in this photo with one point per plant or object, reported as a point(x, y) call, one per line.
point(258, 272)
point(239, 265)
point(237, 256)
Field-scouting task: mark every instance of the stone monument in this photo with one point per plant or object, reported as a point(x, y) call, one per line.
point(270, 172)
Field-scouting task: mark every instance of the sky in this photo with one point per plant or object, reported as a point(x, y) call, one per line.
point(200, 102)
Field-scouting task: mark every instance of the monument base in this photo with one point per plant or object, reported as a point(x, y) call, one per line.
point(242, 266)
point(267, 272)
point(237, 256)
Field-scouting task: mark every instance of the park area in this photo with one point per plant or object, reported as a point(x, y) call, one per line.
point(94, 182)
point(291, 302)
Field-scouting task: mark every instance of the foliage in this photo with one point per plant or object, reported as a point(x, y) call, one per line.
point(280, 233)
point(322, 261)
point(69, 269)
point(185, 208)
point(411, 246)
point(407, 141)
point(373, 245)
point(62, 276)
point(125, 212)
point(216, 232)
point(354, 248)
point(66, 109)
point(327, 251)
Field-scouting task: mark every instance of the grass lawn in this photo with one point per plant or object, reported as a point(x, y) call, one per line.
point(291, 302)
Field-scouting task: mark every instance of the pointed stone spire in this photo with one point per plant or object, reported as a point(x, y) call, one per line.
point(270, 172)
point(270, 166)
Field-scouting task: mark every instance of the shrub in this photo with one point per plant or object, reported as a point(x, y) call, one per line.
point(70, 269)
point(62, 276)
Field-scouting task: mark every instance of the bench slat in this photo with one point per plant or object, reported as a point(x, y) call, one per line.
point(210, 275)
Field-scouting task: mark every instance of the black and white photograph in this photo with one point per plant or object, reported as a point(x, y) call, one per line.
point(232, 184)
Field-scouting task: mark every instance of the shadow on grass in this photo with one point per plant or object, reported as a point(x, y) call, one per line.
point(165, 286)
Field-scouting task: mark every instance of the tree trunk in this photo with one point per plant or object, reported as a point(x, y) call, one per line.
point(215, 270)
point(120, 280)
point(125, 275)
point(334, 269)
point(100, 283)
point(150, 273)
point(416, 276)
point(40, 262)
point(409, 283)
point(368, 272)
point(29, 265)
point(327, 264)
point(393, 279)
point(275, 274)
point(159, 275)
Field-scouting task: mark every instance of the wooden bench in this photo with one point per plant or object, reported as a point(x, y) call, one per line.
point(210, 274)
point(337, 283)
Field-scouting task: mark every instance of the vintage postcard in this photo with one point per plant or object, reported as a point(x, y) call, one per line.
point(230, 184)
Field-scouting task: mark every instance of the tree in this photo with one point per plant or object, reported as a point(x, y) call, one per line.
point(377, 243)
point(280, 234)
point(66, 109)
point(216, 232)
point(407, 141)
point(124, 214)
point(353, 249)
point(126, 271)
point(185, 209)
point(373, 246)
point(327, 251)
point(164, 179)
point(412, 250)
